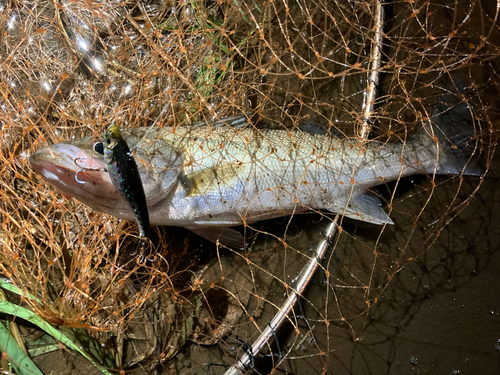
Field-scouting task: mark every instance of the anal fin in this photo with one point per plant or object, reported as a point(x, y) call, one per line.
point(226, 236)
point(367, 207)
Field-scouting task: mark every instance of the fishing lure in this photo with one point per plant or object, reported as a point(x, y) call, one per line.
point(124, 174)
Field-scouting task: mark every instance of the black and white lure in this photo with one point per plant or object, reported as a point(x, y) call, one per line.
point(124, 174)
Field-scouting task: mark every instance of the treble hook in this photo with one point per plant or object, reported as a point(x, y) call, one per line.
point(76, 176)
point(84, 169)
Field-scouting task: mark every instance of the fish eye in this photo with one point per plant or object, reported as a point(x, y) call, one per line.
point(99, 148)
point(108, 141)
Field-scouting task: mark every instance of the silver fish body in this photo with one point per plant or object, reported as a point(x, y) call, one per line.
point(211, 176)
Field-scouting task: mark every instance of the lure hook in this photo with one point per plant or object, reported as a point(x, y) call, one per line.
point(78, 165)
point(82, 169)
point(76, 175)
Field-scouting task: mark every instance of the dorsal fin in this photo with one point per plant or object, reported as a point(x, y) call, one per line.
point(236, 122)
point(313, 128)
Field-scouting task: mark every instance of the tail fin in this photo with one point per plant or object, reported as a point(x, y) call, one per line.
point(453, 126)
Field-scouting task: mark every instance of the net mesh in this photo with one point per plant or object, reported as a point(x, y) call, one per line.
point(70, 68)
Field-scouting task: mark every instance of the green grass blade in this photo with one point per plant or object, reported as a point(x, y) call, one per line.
point(23, 313)
point(17, 357)
point(4, 284)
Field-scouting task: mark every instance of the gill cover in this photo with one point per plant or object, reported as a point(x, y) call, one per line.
point(159, 162)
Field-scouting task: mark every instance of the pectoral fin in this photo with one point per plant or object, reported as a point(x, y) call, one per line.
point(226, 236)
point(207, 180)
point(367, 207)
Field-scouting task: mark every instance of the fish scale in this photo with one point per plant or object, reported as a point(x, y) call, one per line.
point(284, 173)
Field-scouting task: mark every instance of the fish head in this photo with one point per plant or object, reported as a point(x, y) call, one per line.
point(76, 169)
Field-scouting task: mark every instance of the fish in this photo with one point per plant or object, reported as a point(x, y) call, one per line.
point(123, 172)
point(209, 177)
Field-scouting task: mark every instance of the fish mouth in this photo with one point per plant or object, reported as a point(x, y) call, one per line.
point(78, 172)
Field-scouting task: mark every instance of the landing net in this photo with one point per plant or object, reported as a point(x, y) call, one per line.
point(382, 297)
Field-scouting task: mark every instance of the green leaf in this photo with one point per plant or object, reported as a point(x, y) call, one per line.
point(23, 313)
point(17, 357)
point(4, 284)
point(43, 350)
